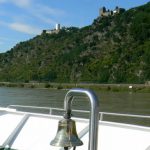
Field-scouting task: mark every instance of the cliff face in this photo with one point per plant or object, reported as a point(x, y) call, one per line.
point(114, 49)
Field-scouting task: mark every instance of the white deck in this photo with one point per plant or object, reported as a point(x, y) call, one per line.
point(114, 136)
point(35, 131)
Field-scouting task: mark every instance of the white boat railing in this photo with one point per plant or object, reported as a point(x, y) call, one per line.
point(123, 115)
point(101, 114)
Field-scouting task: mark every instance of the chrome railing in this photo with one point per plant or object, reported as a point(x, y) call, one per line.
point(94, 112)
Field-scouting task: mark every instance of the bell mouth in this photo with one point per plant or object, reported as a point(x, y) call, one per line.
point(66, 134)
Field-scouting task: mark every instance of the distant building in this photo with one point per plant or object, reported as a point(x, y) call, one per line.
point(118, 10)
point(51, 31)
point(105, 13)
point(57, 27)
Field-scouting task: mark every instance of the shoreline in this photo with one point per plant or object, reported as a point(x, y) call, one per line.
point(144, 88)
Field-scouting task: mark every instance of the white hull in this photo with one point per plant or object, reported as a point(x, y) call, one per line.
point(31, 131)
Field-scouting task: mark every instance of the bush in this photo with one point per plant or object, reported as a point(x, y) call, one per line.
point(47, 85)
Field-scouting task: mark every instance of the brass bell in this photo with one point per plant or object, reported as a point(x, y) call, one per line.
point(66, 134)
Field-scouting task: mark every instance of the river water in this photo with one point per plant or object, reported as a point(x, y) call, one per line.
point(122, 102)
point(116, 102)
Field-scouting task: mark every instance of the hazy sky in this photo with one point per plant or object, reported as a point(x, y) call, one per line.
point(21, 20)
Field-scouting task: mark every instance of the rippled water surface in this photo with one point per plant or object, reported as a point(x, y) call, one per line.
point(123, 102)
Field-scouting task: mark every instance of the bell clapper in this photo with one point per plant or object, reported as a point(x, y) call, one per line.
point(66, 148)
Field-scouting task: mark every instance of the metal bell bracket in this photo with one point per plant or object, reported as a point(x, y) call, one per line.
point(94, 113)
point(94, 118)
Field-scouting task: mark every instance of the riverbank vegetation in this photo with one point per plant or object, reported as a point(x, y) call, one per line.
point(97, 87)
point(114, 49)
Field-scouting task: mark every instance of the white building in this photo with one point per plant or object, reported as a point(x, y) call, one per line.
point(56, 30)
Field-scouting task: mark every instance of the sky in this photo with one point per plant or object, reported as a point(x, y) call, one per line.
point(21, 20)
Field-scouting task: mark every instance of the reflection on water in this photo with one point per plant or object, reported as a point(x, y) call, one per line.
point(123, 102)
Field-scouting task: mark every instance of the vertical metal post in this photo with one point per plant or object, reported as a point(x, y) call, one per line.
point(94, 113)
point(101, 116)
point(50, 111)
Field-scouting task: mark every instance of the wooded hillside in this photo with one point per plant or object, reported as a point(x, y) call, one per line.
point(114, 49)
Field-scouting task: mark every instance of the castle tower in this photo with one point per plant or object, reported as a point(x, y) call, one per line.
point(57, 27)
point(102, 11)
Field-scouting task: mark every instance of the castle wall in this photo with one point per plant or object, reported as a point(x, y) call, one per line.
point(104, 13)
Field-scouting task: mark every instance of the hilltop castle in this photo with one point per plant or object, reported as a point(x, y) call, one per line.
point(104, 13)
point(56, 30)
